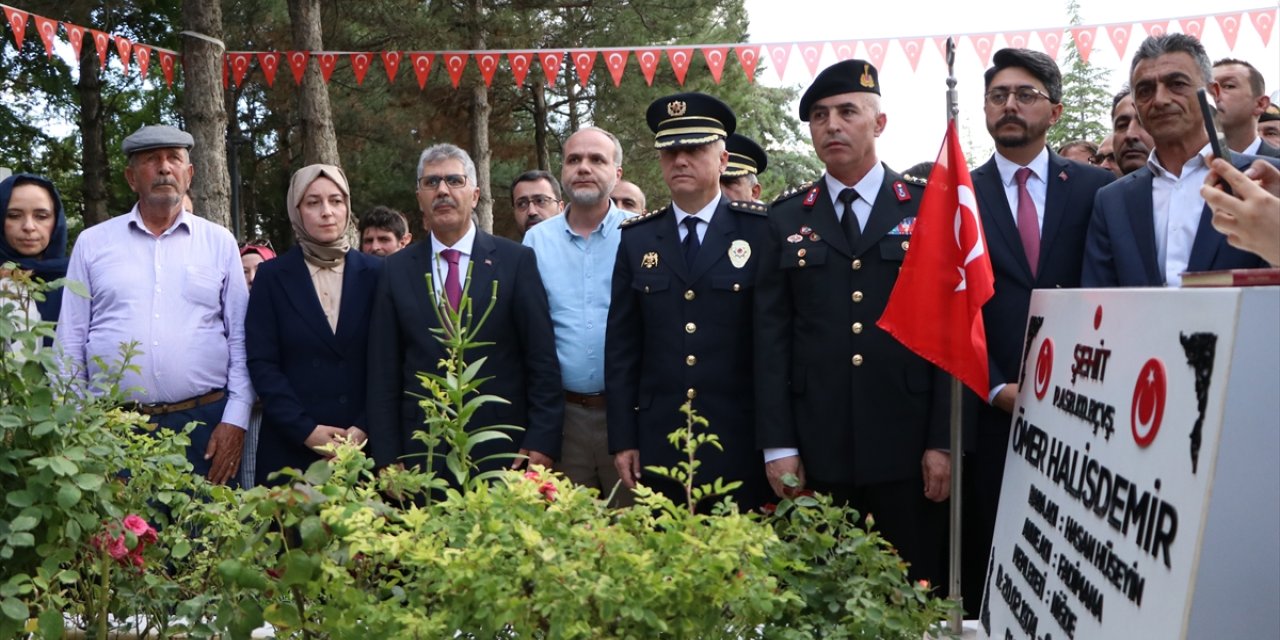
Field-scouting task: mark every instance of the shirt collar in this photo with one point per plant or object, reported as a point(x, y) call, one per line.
point(463, 244)
point(1039, 167)
point(608, 224)
point(1252, 149)
point(868, 187)
point(182, 221)
point(1200, 160)
point(704, 214)
point(313, 269)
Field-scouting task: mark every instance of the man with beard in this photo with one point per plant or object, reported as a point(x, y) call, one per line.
point(1035, 208)
point(1132, 143)
point(457, 262)
point(535, 196)
point(680, 321)
point(1242, 98)
point(841, 405)
point(1152, 225)
point(575, 256)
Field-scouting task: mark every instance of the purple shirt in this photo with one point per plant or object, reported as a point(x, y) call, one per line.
point(180, 295)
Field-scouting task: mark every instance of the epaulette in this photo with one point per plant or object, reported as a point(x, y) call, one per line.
point(749, 206)
point(916, 180)
point(634, 220)
point(789, 193)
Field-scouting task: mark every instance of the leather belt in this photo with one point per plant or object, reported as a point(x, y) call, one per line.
point(158, 409)
point(588, 400)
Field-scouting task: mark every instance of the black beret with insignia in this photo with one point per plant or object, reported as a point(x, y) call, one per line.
point(849, 76)
point(745, 156)
point(689, 120)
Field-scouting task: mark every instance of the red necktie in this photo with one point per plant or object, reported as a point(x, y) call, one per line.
point(452, 287)
point(1028, 222)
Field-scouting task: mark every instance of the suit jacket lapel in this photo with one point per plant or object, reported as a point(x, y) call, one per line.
point(821, 218)
point(1055, 204)
point(885, 215)
point(1204, 249)
point(715, 242)
point(353, 281)
point(994, 208)
point(483, 272)
point(670, 250)
point(1140, 211)
point(301, 292)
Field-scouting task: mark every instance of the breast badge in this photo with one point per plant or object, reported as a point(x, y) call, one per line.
point(739, 253)
point(650, 260)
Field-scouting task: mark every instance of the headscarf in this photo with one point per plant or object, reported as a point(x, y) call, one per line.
point(53, 263)
point(325, 255)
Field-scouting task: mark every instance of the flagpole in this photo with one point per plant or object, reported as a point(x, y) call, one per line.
point(957, 444)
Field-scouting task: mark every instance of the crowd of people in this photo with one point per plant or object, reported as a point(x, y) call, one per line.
point(606, 319)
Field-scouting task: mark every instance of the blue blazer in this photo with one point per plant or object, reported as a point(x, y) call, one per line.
point(1120, 250)
point(304, 373)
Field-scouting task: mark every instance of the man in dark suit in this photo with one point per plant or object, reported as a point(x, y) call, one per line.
point(462, 260)
point(1035, 208)
point(1242, 99)
point(680, 318)
point(1152, 225)
point(840, 404)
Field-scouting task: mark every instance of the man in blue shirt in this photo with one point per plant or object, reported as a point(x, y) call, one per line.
point(575, 257)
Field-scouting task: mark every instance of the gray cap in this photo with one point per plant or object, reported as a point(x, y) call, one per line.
point(160, 136)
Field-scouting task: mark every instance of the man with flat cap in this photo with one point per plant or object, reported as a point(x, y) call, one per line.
point(172, 283)
point(841, 405)
point(740, 181)
point(680, 325)
point(1269, 125)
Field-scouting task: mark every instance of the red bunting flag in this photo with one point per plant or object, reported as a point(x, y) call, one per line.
point(124, 47)
point(1230, 25)
point(454, 64)
point(1018, 39)
point(75, 35)
point(876, 50)
point(811, 53)
point(941, 42)
point(983, 43)
point(1193, 27)
point(47, 29)
point(328, 62)
point(551, 61)
point(844, 50)
point(167, 62)
point(488, 64)
point(1156, 28)
point(298, 64)
point(269, 62)
point(1264, 20)
point(748, 57)
point(391, 62)
point(680, 59)
point(1120, 37)
point(100, 42)
point(911, 47)
point(648, 59)
point(715, 57)
point(360, 66)
point(422, 66)
point(17, 20)
point(1084, 40)
point(779, 54)
point(584, 60)
point(520, 65)
point(1052, 41)
point(935, 308)
point(142, 55)
point(617, 63)
point(239, 63)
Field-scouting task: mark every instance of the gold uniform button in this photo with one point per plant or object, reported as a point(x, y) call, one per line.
point(691, 360)
point(906, 244)
point(690, 328)
point(801, 253)
point(689, 295)
point(691, 394)
point(857, 327)
point(857, 360)
point(801, 263)
point(857, 296)
point(737, 287)
point(857, 264)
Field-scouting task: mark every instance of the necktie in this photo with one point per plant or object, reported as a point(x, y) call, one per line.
point(1028, 223)
point(691, 242)
point(852, 231)
point(452, 286)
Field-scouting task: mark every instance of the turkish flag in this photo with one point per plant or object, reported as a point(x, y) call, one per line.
point(935, 309)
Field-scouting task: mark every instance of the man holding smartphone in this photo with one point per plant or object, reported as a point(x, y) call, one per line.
point(1152, 225)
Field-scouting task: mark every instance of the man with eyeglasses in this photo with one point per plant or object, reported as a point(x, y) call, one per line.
point(1106, 157)
point(1035, 207)
point(535, 196)
point(457, 265)
point(1152, 225)
point(575, 256)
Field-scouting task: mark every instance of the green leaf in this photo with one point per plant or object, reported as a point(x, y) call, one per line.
point(20, 498)
point(51, 624)
point(77, 287)
point(180, 549)
point(14, 609)
point(24, 523)
point(68, 495)
point(282, 616)
point(62, 466)
point(319, 472)
point(312, 531)
point(88, 481)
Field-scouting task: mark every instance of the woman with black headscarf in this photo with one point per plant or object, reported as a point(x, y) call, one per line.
point(34, 235)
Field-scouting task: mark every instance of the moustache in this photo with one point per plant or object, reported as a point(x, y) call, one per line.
point(443, 201)
point(1011, 119)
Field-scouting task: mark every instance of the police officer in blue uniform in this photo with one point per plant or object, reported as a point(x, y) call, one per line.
point(680, 320)
point(842, 405)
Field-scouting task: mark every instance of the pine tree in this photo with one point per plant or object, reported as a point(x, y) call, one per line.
point(1086, 101)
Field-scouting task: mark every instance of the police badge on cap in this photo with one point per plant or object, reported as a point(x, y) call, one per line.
point(689, 120)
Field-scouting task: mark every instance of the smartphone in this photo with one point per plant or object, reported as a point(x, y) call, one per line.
point(1216, 143)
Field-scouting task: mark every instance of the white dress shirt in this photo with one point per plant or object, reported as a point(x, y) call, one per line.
point(1037, 183)
point(1176, 205)
point(704, 215)
point(868, 188)
point(440, 266)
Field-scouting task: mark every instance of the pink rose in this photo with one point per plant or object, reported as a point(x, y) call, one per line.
point(532, 475)
point(548, 490)
point(140, 528)
point(116, 547)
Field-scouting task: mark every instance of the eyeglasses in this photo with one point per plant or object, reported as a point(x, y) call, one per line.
point(453, 180)
point(1026, 96)
point(1102, 158)
point(537, 201)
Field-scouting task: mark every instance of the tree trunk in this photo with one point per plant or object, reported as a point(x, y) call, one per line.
point(479, 120)
point(92, 138)
point(203, 110)
point(319, 143)
point(540, 126)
